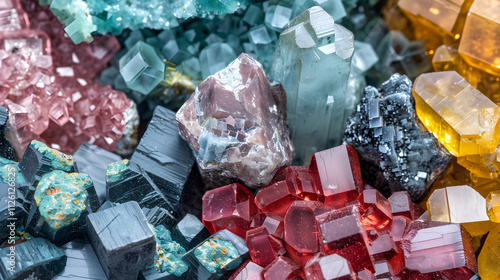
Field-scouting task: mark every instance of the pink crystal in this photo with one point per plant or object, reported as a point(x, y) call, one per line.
point(281, 268)
point(330, 267)
point(264, 248)
point(377, 209)
point(248, 271)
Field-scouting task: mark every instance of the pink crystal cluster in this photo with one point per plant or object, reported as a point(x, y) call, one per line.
point(47, 82)
point(322, 223)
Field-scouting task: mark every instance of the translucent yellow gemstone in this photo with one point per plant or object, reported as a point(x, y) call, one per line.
point(484, 165)
point(460, 204)
point(445, 58)
point(489, 258)
point(485, 186)
point(481, 36)
point(463, 119)
point(493, 206)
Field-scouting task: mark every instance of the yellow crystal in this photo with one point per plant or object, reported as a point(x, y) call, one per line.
point(460, 204)
point(489, 258)
point(481, 36)
point(493, 206)
point(463, 119)
point(484, 165)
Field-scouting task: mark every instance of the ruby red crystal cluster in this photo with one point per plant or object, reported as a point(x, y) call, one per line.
point(321, 222)
point(47, 82)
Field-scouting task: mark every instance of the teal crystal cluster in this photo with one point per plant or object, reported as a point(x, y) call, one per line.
point(61, 197)
point(216, 253)
point(168, 253)
point(83, 17)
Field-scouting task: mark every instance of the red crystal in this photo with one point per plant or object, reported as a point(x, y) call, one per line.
point(264, 248)
point(275, 198)
point(330, 267)
point(398, 227)
point(271, 221)
point(301, 233)
point(377, 209)
point(383, 270)
point(248, 271)
point(230, 207)
point(338, 174)
point(342, 232)
point(298, 178)
point(281, 268)
point(383, 247)
point(401, 205)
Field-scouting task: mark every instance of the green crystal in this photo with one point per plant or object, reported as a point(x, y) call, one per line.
point(61, 196)
point(215, 253)
point(312, 62)
point(59, 160)
point(168, 253)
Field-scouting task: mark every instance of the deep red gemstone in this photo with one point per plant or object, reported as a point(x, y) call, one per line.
point(401, 205)
point(377, 209)
point(282, 268)
point(263, 247)
point(248, 271)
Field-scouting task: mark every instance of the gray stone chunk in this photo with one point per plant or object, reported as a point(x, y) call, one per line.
point(189, 232)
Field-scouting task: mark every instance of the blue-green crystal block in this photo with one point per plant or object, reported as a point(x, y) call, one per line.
point(129, 182)
point(6, 150)
point(253, 15)
point(142, 68)
point(335, 8)
point(169, 253)
point(277, 17)
point(93, 160)
point(217, 257)
point(263, 39)
point(82, 262)
point(13, 214)
point(60, 206)
point(189, 232)
point(33, 259)
point(214, 58)
point(169, 162)
point(176, 51)
point(122, 240)
point(312, 62)
point(75, 15)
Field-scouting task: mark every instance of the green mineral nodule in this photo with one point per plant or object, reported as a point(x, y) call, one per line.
point(168, 253)
point(114, 170)
point(9, 171)
point(215, 254)
point(59, 160)
point(61, 196)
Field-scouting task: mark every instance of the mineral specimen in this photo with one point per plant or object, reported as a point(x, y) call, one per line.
point(395, 154)
point(122, 240)
point(168, 253)
point(189, 232)
point(217, 256)
point(34, 259)
point(236, 124)
point(248, 271)
point(264, 248)
point(169, 162)
point(331, 267)
point(281, 268)
point(81, 262)
point(490, 256)
point(93, 161)
point(315, 53)
point(6, 150)
point(230, 207)
point(493, 206)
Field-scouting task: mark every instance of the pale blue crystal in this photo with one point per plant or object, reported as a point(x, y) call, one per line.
point(312, 62)
point(253, 15)
point(277, 17)
point(215, 57)
point(334, 7)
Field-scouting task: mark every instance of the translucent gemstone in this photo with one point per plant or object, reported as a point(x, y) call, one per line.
point(330, 267)
point(482, 16)
point(264, 248)
point(383, 247)
point(275, 198)
point(271, 221)
point(300, 231)
point(364, 57)
point(333, 7)
point(398, 227)
point(383, 270)
point(230, 207)
point(142, 68)
point(460, 204)
point(315, 53)
point(338, 173)
point(175, 51)
point(248, 271)
point(281, 268)
point(442, 248)
point(445, 58)
point(493, 206)
point(489, 258)
point(401, 204)
point(214, 58)
point(377, 209)
point(342, 232)
point(253, 15)
point(277, 17)
point(298, 178)
point(471, 130)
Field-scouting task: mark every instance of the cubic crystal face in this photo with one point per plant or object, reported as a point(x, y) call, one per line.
point(395, 155)
point(235, 122)
point(481, 36)
point(142, 68)
point(474, 129)
point(316, 53)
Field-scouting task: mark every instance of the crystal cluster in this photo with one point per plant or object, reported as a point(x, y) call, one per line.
point(330, 225)
point(236, 124)
point(48, 87)
point(394, 153)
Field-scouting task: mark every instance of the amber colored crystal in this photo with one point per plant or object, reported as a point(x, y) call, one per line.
point(230, 207)
point(338, 173)
point(489, 258)
point(493, 206)
point(474, 129)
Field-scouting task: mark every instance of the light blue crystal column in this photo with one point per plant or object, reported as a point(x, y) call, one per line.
point(312, 62)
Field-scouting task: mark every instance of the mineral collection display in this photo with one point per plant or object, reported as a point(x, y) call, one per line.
point(250, 140)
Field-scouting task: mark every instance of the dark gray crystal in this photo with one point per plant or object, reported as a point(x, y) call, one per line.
point(122, 240)
point(395, 153)
point(6, 150)
point(159, 216)
point(189, 232)
point(82, 262)
point(168, 159)
point(93, 161)
point(33, 259)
